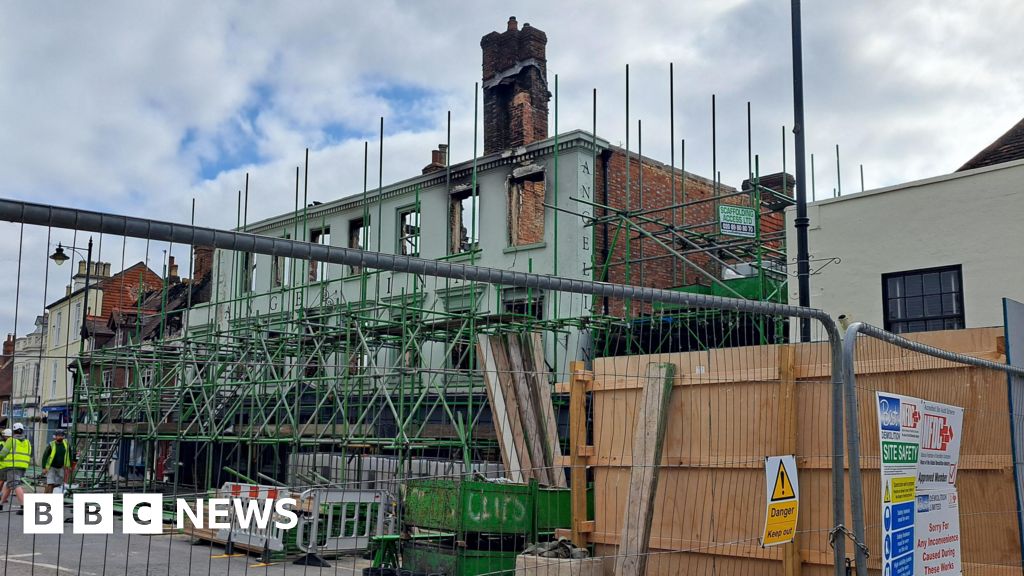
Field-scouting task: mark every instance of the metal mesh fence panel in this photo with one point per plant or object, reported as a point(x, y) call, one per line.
point(435, 414)
point(937, 490)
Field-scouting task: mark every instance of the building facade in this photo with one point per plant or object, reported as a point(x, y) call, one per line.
point(570, 205)
point(932, 254)
point(63, 342)
point(291, 357)
point(28, 362)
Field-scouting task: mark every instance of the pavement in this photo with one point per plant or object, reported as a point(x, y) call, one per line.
point(130, 555)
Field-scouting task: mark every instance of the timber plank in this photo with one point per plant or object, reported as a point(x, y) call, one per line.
point(648, 440)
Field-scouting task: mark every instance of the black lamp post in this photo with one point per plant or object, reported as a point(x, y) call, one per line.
point(60, 257)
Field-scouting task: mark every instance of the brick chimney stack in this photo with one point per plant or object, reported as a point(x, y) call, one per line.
point(172, 271)
point(203, 261)
point(9, 346)
point(515, 87)
point(438, 159)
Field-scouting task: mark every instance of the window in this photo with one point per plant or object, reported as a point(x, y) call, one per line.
point(53, 380)
point(358, 238)
point(282, 270)
point(5, 409)
point(462, 358)
point(409, 232)
point(146, 377)
point(464, 220)
point(318, 270)
point(108, 379)
point(921, 300)
point(525, 204)
point(247, 278)
point(358, 362)
point(522, 302)
point(78, 322)
point(56, 329)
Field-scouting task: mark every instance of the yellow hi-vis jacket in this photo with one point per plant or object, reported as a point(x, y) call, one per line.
point(16, 453)
point(52, 450)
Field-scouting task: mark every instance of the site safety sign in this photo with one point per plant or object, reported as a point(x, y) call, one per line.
point(920, 452)
point(782, 502)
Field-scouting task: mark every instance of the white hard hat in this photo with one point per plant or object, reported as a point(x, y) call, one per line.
point(19, 426)
point(7, 432)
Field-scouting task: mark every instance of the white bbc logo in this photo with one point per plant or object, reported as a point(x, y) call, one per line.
point(93, 513)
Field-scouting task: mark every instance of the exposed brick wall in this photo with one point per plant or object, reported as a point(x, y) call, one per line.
point(516, 106)
point(659, 268)
point(525, 212)
point(203, 261)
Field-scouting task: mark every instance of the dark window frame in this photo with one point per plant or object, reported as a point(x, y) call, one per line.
point(322, 236)
point(358, 239)
point(902, 322)
point(471, 242)
point(410, 235)
point(280, 274)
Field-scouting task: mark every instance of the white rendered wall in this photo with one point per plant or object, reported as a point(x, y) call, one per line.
point(973, 218)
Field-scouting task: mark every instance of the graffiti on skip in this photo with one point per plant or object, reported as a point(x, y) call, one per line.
point(503, 508)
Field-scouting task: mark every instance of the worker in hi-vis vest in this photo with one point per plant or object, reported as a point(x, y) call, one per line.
point(4, 466)
point(15, 456)
point(57, 461)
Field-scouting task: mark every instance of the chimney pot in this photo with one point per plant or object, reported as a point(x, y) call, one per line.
point(81, 267)
point(512, 24)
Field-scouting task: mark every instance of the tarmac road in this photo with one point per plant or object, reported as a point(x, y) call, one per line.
point(136, 555)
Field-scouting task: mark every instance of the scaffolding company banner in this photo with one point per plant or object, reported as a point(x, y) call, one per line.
point(920, 452)
point(737, 221)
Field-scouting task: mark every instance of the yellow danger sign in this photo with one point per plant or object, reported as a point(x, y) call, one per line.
point(780, 525)
point(782, 491)
point(783, 487)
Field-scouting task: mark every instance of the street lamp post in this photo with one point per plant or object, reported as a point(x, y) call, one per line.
point(60, 257)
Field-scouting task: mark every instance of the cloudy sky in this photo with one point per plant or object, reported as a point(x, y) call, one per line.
point(140, 108)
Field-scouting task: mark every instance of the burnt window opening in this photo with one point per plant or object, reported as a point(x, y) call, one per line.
point(358, 362)
point(318, 270)
point(462, 357)
point(247, 278)
point(358, 238)
point(525, 303)
point(409, 232)
point(464, 221)
point(525, 206)
point(281, 270)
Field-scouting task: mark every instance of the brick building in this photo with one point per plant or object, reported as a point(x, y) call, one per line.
point(6, 381)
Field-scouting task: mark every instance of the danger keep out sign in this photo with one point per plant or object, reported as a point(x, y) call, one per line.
point(783, 502)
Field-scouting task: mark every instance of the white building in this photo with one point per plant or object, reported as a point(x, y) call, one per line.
point(938, 253)
point(28, 362)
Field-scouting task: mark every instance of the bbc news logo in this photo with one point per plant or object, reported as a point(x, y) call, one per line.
point(143, 513)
